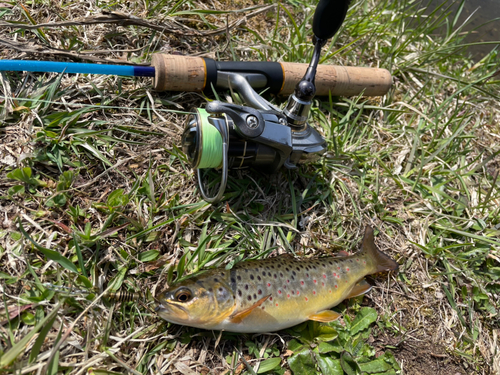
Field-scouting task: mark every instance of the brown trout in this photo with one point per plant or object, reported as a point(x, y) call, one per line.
point(272, 294)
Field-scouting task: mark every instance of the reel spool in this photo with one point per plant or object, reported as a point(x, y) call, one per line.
point(205, 141)
point(215, 140)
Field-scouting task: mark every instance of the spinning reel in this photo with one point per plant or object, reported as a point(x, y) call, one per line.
point(260, 135)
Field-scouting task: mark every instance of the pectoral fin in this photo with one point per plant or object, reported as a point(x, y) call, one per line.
point(325, 316)
point(240, 315)
point(360, 288)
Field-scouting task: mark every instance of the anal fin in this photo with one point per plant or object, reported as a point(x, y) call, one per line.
point(360, 288)
point(325, 316)
point(240, 315)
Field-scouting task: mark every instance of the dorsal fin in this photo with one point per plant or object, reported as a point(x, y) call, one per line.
point(381, 261)
point(239, 316)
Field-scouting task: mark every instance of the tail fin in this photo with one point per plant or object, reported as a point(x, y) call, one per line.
point(381, 261)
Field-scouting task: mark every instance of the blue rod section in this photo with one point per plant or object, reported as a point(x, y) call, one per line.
point(64, 67)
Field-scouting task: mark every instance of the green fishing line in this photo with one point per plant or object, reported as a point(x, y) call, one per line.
point(211, 143)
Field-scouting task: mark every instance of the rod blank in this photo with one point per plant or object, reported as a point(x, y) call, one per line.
point(83, 68)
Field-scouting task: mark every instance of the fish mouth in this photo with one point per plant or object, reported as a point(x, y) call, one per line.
point(168, 310)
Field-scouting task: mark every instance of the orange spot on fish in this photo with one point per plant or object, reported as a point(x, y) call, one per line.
point(357, 260)
point(323, 284)
point(288, 281)
point(276, 305)
point(268, 284)
point(314, 292)
point(334, 274)
point(279, 291)
point(271, 298)
point(301, 283)
point(324, 276)
point(288, 295)
point(298, 292)
point(330, 291)
point(315, 281)
point(336, 286)
point(347, 269)
point(306, 299)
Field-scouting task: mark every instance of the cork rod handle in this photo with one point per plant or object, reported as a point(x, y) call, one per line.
point(190, 73)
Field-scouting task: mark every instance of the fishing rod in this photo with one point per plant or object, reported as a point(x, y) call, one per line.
point(258, 135)
point(191, 73)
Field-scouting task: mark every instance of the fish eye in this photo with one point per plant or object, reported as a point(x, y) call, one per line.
point(182, 295)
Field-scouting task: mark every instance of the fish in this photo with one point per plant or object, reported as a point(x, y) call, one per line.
point(272, 294)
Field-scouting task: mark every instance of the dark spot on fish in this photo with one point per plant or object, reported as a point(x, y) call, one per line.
point(270, 298)
point(293, 277)
point(251, 277)
point(269, 274)
point(294, 273)
point(331, 263)
point(239, 278)
point(263, 307)
point(216, 280)
point(272, 267)
point(249, 298)
point(210, 290)
point(307, 275)
point(275, 276)
point(221, 290)
point(259, 278)
point(298, 269)
point(281, 274)
point(246, 270)
point(260, 291)
point(293, 292)
point(246, 286)
point(239, 293)
point(287, 269)
point(314, 267)
point(255, 296)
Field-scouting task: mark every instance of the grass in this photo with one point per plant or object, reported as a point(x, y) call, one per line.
point(97, 197)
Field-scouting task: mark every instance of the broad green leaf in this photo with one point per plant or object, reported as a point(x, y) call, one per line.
point(373, 367)
point(79, 255)
point(327, 347)
point(41, 338)
point(302, 363)
point(17, 189)
point(7, 358)
point(148, 256)
point(326, 333)
point(269, 364)
point(329, 365)
point(349, 365)
point(51, 254)
point(365, 317)
point(117, 281)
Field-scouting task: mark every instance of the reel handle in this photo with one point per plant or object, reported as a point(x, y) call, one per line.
point(328, 17)
point(190, 73)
